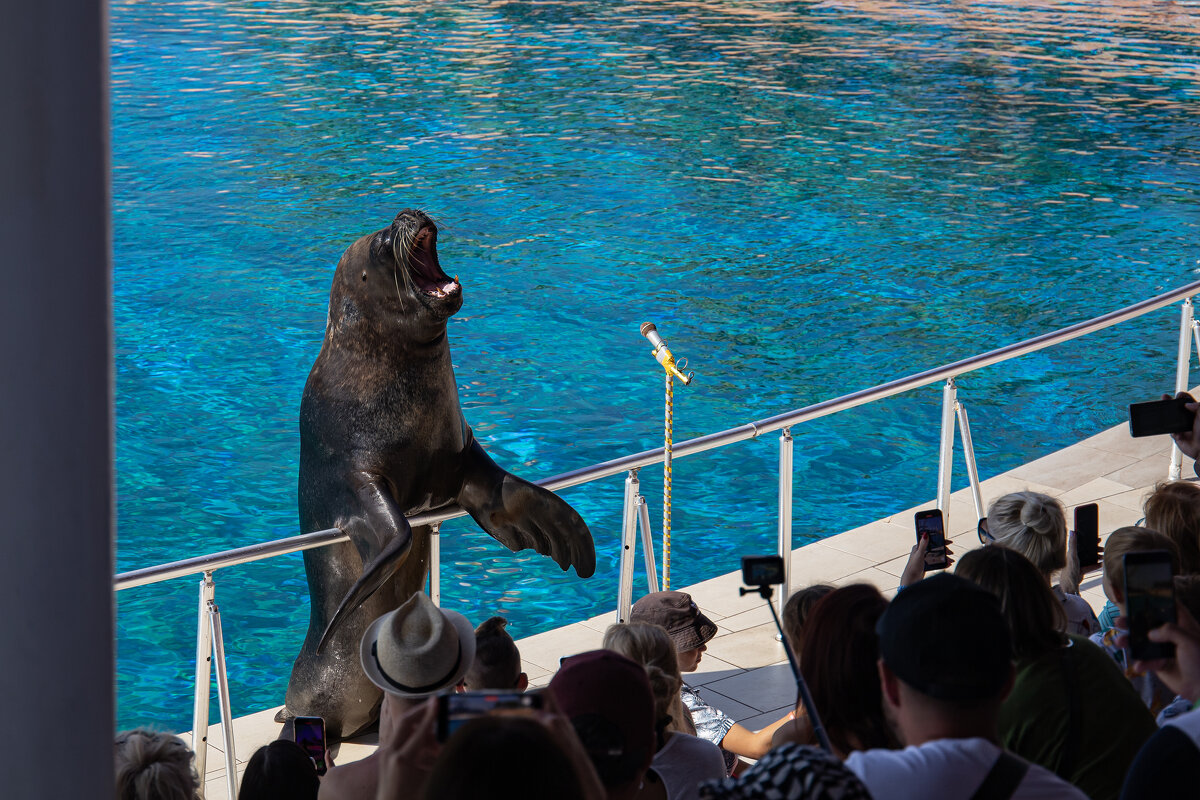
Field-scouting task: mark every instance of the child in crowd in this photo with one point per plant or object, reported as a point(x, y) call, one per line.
point(797, 610)
point(497, 663)
point(1173, 509)
point(690, 630)
point(681, 759)
point(154, 766)
point(1154, 693)
point(281, 770)
point(1035, 525)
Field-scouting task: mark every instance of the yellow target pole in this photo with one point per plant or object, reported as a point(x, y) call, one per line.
point(673, 370)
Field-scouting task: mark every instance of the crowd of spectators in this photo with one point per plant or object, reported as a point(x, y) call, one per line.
point(991, 681)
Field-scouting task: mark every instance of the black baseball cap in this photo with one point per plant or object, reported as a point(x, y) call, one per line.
point(946, 637)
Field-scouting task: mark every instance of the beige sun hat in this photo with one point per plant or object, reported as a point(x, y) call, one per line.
point(418, 649)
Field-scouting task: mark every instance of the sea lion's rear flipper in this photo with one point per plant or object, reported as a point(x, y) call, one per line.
point(383, 538)
point(521, 515)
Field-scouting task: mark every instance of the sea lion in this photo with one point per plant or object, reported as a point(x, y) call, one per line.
point(382, 436)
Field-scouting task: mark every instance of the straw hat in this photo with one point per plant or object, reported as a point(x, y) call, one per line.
point(418, 649)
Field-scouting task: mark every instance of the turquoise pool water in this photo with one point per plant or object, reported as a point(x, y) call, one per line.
point(808, 198)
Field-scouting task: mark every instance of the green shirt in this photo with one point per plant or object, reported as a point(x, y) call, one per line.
point(1076, 697)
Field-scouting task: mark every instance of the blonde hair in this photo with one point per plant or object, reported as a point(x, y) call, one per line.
point(154, 766)
point(1174, 509)
point(651, 646)
point(1034, 525)
point(1128, 540)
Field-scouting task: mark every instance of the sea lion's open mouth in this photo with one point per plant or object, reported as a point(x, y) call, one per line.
point(424, 269)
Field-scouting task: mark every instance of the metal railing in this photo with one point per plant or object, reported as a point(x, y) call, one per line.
point(210, 646)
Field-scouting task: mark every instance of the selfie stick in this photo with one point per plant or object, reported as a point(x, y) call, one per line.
point(809, 707)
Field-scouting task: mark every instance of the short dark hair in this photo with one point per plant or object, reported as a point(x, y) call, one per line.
point(838, 658)
point(281, 770)
point(497, 662)
point(1036, 619)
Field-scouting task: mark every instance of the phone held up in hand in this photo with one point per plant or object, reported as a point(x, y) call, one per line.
point(1087, 534)
point(310, 735)
point(1150, 601)
point(456, 709)
point(1161, 416)
point(930, 522)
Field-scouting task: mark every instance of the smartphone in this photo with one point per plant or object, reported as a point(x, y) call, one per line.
point(1087, 534)
point(1161, 416)
point(310, 734)
point(930, 522)
point(456, 709)
point(1150, 601)
point(762, 570)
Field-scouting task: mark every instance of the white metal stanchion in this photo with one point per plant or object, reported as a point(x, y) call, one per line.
point(647, 545)
point(1182, 370)
point(210, 651)
point(203, 677)
point(628, 542)
point(785, 515)
point(964, 431)
point(946, 451)
point(435, 564)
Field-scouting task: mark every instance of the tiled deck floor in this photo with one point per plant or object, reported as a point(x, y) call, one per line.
point(745, 672)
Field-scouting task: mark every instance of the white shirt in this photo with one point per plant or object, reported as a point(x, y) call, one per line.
point(948, 769)
point(685, 762)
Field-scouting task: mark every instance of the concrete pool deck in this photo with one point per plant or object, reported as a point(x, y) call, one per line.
point(744, 671)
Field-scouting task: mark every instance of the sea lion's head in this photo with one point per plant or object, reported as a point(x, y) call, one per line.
point(393, 277)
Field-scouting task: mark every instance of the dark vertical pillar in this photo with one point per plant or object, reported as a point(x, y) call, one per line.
point(56, 507)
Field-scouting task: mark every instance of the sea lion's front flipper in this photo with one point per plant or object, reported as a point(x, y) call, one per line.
point(521, 515)
point(383, 538)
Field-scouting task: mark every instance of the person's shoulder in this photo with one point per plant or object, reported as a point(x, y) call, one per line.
point(350, 781)
point(1040, 783)
point(925, 761)
point(1168, 765)
point(702, 754)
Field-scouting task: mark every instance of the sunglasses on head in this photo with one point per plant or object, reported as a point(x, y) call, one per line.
point(985, 536)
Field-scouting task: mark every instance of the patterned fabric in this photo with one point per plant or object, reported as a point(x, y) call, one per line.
point(711, 723)
point(1081, 620)
point(790, 772)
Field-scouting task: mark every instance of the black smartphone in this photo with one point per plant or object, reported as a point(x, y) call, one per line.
point(1087, 534)
point(930, 522)
point(455, 709)
point(1149, 601)
point(310, 734)
point(1161, 416)
point(762, 570)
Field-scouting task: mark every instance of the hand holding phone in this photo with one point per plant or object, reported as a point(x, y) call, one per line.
point(929, 523)
point(1149, 602)
point(1169, 415)
point(310, 734)
point(1087, 535)
point(456, 709)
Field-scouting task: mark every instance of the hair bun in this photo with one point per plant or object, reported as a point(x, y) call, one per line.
point(1036, 514)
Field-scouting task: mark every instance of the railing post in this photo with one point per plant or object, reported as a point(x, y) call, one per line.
point(435, 564)
point(223, 697)
point(628, 542)
point(785, 515)
point(946, 452)
point(647, 545)
point(964, 430)
point(203, 677)
point(1182, 372)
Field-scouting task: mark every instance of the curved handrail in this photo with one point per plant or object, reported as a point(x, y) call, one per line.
point(700, 444)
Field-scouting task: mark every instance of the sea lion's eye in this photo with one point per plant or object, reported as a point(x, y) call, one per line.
point(364, 275)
